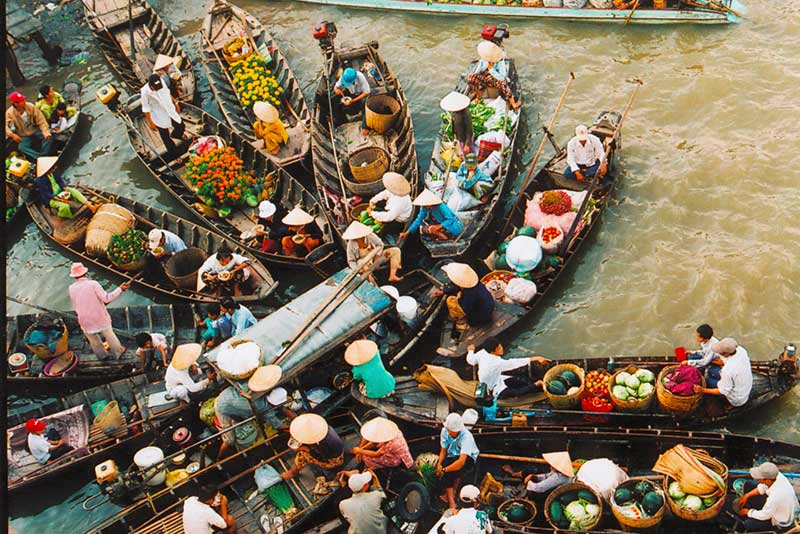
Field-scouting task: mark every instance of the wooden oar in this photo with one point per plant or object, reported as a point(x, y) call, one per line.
point(328, 73)
point(526, 459)
point(633, 9)
point(538, 153)
point(712, 5)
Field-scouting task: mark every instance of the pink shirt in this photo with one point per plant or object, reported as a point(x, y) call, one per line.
point(393, 453)
point(89, 302)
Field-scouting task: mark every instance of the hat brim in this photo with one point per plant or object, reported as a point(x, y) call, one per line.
point(360, 352)
point(186, 355)
point(265, 378)
point(465, 279)
point(308, 428)
point(454, 101)
point(356, 230)
point(79, 272)
point(379, 430)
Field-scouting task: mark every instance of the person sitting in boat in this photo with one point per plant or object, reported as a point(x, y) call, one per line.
point(365, 357)
point(54, 192)
point(240, 317)
point(469, 519)
point(472, 178)
point(167, 70)
point(60, 122)
point(457, 104)
point(769, 502)
point(585, 156)
point(434, 219)
point(458, 453)
point(397, 209)
point(267, 229)
point(49, 100)
point(161, 246)
point(362, 241)
point(491, 72)
point(492, 366)
point(208, 512)
point(364, 510)
point(469, 303)
point(162, 112)
point(736, 378)
point(148, 345)
point(382, 448)
point(301, 240)
point(318, 445)
point(561, 472)
point(353, 88)
point(27, 126)
point(224, 272)
point(705, 357)
point(45, 447)
point(602, 475)
point(269, 127)
point(217, 326)
point(178, 378)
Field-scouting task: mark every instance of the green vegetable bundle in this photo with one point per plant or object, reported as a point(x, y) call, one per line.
point(480, 113)
point(127, 248)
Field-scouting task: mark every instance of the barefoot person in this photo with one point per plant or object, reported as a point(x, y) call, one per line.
point(492, 366)
point(382, 448)
point(27, 126)
point(178, 378)
point(268, 127)
point(161, 111)
point(320, 445)
point(457, 456)
point(354, 89)
point(224, 272)
point(492, 72)
point(468, 301)
point(396, 199)
point(54, 192)
point(361, 241)
point(585, 156)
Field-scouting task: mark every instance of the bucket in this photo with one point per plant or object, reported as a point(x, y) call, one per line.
point(368, 164)
point(18, 363)
point(381, 112)
point(680, 354)
point(406, 308)
point(43, 351)
point(108, 221)
point(182, 267)
point(148, 457)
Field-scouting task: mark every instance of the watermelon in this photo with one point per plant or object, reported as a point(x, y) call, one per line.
point(501, 264)
point(526, 230)
point(568, 497)
point(623, 496)
point(642, 488)
point(501, 249)
point(570, 378)
point(652, 502)
point(556, 512)
point(557, 387)
point(587, 496)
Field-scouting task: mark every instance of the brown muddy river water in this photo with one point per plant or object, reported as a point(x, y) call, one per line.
point(704, 224)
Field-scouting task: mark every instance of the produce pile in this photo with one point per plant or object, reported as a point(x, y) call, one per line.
point(555, 202)
point(481, 113)
point(521, 256)
point(550, 233)
point(689, 501)
point(641, 501)
point(376, 226)
point(575, 510)
point(128, 247)
point(565, 383)
point(639, 385)
point(254, 82)
point(219, 178)
point(596, 394)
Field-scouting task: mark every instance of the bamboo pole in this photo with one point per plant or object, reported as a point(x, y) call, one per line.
point(628, 18)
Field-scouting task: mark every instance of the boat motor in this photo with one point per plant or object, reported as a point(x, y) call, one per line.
point(789, 359)
point(495, 34)
point(121, 488)
point(109, 96)
point(325, 33)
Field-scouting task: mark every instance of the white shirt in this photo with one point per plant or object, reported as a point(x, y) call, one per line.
point(198, 517)
point(602, 475)
point(160, 106)
point(708, 354)
point(39, 447)
point(781, 506)
point(361, 86)
point(181, 377)
point(158, 340)
point(736, 378)
point(578, 154)
point(468, 521)
point(491, 368)
point(396, 209)
point(211, 265)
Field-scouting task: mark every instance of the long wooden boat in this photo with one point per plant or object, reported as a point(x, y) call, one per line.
point(133, 56)
point(677, 12)
point(288, 192)
point(73, 417)
point(550, 177)
point(337, 145)
point(772, 379)
point(479, 219)
point(69, 234)
point(175, 321)
point(225, 22)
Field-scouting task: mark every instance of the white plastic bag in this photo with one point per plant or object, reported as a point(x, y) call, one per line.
point(496, 121)
point(491, 163)
point(554, 244)
point(520, 290)
point(456, 198)
point(523, 253)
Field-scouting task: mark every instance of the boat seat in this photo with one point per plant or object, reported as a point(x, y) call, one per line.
point(169, 524)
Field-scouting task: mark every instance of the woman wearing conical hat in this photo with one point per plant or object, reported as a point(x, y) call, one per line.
point(319, 444)
point(304, 235)
point(396, 199)
point(269, 127)
point(468, 301)
point(435, 218)
point(54, 192)
point(382, 447)
point(492, 72)
point(361, 241)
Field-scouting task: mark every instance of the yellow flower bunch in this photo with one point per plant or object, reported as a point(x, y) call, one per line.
point(254, 82)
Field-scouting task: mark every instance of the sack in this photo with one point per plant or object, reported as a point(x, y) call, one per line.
point(535, 218)
point(523, 253)
point(492, 163)
point(574, 4)
point(456, 198)
point(520, 290)
point(555, 243)
point(553, 3)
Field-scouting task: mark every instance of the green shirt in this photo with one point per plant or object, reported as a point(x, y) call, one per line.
point(377, 380)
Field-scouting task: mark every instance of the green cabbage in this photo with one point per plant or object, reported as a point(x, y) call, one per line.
point(622, 377)
point(645, 375)
point(645, 390)
point(693, 502)
point(592, 510)
point(708, 502)
point(632, 392)
point(573, 390)
point(675, 491)
point(620, 392)
point(576, 512)
point(632, 382)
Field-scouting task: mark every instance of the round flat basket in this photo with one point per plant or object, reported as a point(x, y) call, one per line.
point(496, 282)
point(630, 406)
point(355, 211)
point(61, 365)
point(367, 166)
point(572, 487)
point(43, 351)
point(136, 265)
point(676, 405)
point(517, 512)
point(564, 402)
point(627, 522)
point(381, 112)
point(245, 374)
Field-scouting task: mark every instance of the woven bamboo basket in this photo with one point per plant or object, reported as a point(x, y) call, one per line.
point(632, 406)
point(628, 523)
point(564, 401)
point(110, 419)
point(675, 404)
point(525, 502)
point(559, 491)
point(136, 265)
point(247, 374)
point(368, 164)
point(42, 351)
point(355, 211)
point(381, 112)
point(182, 267)
point(108, 221)
point(711, 512)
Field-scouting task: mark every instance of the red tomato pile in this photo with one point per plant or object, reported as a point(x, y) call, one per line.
point(597, 383)
point(550, 233)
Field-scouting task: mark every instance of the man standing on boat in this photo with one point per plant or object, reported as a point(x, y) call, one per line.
point(585, 156)
point(162, 112)
point(27, 126)
point(354, 89)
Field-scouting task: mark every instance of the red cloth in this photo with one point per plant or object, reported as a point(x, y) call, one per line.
point(682, 380)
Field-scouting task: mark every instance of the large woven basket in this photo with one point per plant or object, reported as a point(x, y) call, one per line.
point(530, 505)
point(628, 523)
point(631, 406)
point(675, 404)
point(564, 402)
point(108, 221)
point(571, 486)
point(136, 265)
point(246, 374)
point(709, 513)
point(182, 267)
point(368, 164)
point(42, 351)
point(381, 112)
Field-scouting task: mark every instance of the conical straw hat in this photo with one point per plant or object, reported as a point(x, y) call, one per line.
point(45, 164)
point(309, 428)
point(461, 275)
point(356, 230)
point(163, 61)
point(427, 198)
point(489, 51)
point(454, 101)
point(396, 183)
point(186, 355)
point(297, 217)
point(360, 351)
point(379, 430)
point(560, 461)
point(265, 378)
point(265, 111)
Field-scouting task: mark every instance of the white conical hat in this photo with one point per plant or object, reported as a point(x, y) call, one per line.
point(560, 461)
point(163, 61)
point(185, 355)
point(356, 230)
point(309, 428)
point(360, 351)
point(461, 275)
point(488, 51)
point(396, 183)
point(265, 378)
point(265, 111)
point(379, 430)
point(45, 164)
point(297, 217)
point(454, 101)
point(427, 198)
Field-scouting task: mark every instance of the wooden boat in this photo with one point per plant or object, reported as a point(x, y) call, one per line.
point(691, 12)
point(772, 379)
point(507, 314)
point(133, 57)
point(225, 22)
point(477, 220)
point(69, 234)
point(175, 321)
point(288, 192)
point(73, 417)
point(347, 167)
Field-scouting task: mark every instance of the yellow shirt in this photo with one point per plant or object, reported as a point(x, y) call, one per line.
point(273, 133)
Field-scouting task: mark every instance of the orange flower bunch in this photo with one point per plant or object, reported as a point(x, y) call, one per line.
point(218, 176)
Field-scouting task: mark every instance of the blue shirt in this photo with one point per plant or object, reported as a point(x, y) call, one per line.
point(241, 320)
point(443, 215)
point(499, 70)
point(464, 443)
point(172, 243)
point(464, 182)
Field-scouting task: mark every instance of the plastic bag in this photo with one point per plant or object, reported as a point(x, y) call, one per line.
point(574, 4)
point(495, 136)
point(555, 243)
point(266, 476)
point(520, 290)
point(523, 253)
point(492, 163)
point(496, 121)
point(553, 3)
point(456, 198)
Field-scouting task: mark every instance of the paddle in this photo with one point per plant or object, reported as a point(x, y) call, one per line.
point(628, 18)
point(712, 5)
point(328, 73)
point(538, 153)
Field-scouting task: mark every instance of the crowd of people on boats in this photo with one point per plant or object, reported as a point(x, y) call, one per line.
point(37, 127)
